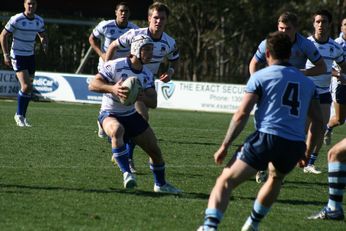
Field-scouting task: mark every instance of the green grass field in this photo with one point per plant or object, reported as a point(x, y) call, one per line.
point(58, 175)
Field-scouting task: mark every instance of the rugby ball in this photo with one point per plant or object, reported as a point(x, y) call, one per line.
point(135, 87)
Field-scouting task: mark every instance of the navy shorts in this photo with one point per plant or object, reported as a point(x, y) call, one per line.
point(260, 148)
point(340, 94)
point(133, 124)
point(326, 98)
point(21, 63)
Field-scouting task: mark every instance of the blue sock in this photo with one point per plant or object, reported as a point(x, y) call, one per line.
point(329, 129)
point(159, 173)
point(312, 159)
point(23, 102)
point(212, 218)
point(131, 146)
point(337, 183)
point(120, 155)
point(257, 214)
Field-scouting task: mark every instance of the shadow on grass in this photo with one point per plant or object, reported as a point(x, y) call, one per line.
point(11, 189)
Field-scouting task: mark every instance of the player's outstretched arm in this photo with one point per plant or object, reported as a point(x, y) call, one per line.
point(44, 41)
point(168, 75)
point(237, 124)
point(4, 45)
point(318, 69)
point(96, 46)
point(112, 48)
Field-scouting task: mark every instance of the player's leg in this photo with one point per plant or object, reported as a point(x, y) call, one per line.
point(24, 97)
point(337, 183)
point(310, 168)
point(115, 130)
point(148, 142)
point(339, 101)
point(25, 71)
point(144, 112)
point(265, 198)
point(232, 175)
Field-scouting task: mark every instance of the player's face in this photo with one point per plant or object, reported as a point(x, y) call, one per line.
point(122, 14)
point(30, 7)
point(321, 25)
point(157, 21)
point(343, 27)
point(288, 29)
point(147, 53)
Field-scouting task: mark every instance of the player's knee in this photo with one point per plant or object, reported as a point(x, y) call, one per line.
point(26, 88)
point(332, 153)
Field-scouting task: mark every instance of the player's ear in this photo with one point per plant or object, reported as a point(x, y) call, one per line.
point(267, 53)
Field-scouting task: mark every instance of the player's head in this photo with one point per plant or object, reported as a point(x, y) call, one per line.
point(322, 20)
point(30, 7)
point(279, 45)
point(343, 27)
point(288, 23)
point(142, 48)
point(122, 13)
point(158, 14)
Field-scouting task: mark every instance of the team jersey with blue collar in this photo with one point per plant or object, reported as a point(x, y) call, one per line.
point(330, 51)
point(301, 51)
point(340, 40)
point(114, 70)
point(163, 47)
point(284, 99)
point(109, 31)
point(24, 31)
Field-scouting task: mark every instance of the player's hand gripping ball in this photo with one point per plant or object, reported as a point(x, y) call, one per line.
point(135, 87)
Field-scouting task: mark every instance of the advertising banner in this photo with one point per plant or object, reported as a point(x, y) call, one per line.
point(199, 96)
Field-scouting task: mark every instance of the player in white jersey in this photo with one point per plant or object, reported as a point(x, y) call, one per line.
point(284, 98)
point(331, 51)
point(23, 27)
point(109, 30)
point(106, 32)
point(123, 122)
point(164, 48)
point(338, 89)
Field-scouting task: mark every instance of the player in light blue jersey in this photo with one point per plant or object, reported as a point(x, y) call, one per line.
point(302, 48)
point(284, 97)
point(301, 51)
point(331, 52)
point(337, 182)
point(338, 90)
point(164, 48)
point(121, 122)
point(23, 27)
point(109, 30)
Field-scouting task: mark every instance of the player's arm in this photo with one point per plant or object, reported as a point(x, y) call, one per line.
point(254, 65)
point(319, 68)
point(149, 97)
point(96, 46)
point(167, 76)
point(237, 124)
point(4, 38)
point(44, 41)
point(112, 48)
point(99, 84)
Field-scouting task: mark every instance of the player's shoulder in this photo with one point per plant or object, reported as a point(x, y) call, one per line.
point(131, 25)
point(18, 17)
point(167, 38)
point(106, 23)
